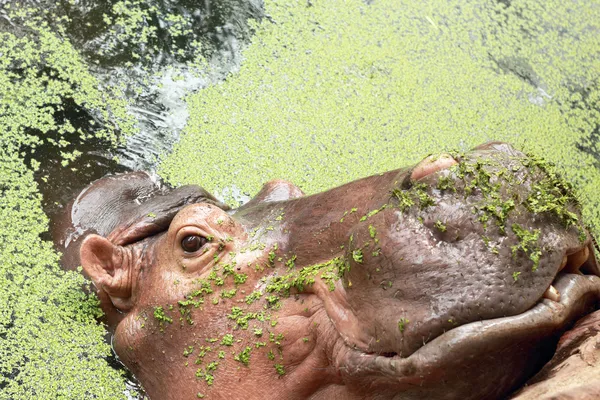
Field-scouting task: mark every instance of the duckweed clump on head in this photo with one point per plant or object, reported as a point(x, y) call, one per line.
point(357, 256)
point(244, 356)
point(228, 294)
point(404, 199)
point(402, 324)
point(206, 373)
point(494, 194)
point(440, 226)
point(552, 194)
point(329, 271)
point(372, 231)
point(189, 350)
point(280, 369)
point(528, 243)
point(515, 275)
point(159, 315)
point(243, 318)
point(371, 213)
point(358, 98)
point(227, 340)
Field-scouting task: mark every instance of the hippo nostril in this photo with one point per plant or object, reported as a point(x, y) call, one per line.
point(432, 164)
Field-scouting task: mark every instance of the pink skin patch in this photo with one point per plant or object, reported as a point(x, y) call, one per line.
point(432, 164)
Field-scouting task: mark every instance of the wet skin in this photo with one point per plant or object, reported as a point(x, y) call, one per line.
point(573, 371)
point(446, 280)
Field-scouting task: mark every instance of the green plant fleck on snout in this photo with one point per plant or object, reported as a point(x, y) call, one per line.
point(161, 317)
point(528, 244)
point(440, 226)
point(280, 369)
point(189, 350)
point(402, 324)
point(357, 255)
point(207, 373)
point(372, 231)
point(404, 199)
point(445, 183)
point(515, 275)
point(244, 356)
point(227, 340)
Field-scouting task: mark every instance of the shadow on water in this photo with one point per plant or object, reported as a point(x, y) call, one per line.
point(157, 51)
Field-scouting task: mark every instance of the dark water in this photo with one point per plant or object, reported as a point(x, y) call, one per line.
point(156, 70)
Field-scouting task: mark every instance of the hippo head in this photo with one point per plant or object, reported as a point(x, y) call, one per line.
point(445, 280)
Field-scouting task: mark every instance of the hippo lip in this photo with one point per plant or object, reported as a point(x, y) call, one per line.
point(578, 288)
point(474, 339)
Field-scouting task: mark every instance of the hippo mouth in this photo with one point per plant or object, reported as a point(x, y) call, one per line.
point(574, 292)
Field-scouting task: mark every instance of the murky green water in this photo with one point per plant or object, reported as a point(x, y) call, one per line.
point(154, 53)
point(86, 89)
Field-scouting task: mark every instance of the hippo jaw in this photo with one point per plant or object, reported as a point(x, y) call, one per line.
point(437, 369)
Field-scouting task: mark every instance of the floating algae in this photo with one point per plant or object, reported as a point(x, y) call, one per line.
point(153, 52)
point(51, 345)
point(333, 91)
point(60, 121)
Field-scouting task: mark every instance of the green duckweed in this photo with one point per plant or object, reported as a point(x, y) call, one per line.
point(51, 345)
point(333, 91)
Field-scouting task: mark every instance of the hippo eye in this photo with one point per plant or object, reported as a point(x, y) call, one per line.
point(192, 243)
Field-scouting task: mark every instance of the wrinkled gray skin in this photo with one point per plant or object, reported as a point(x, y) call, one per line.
point(408, 309)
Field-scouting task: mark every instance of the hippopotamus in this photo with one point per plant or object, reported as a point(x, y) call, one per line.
point(453, 278)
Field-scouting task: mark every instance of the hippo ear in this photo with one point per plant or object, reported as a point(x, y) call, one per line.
point(104, 263)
